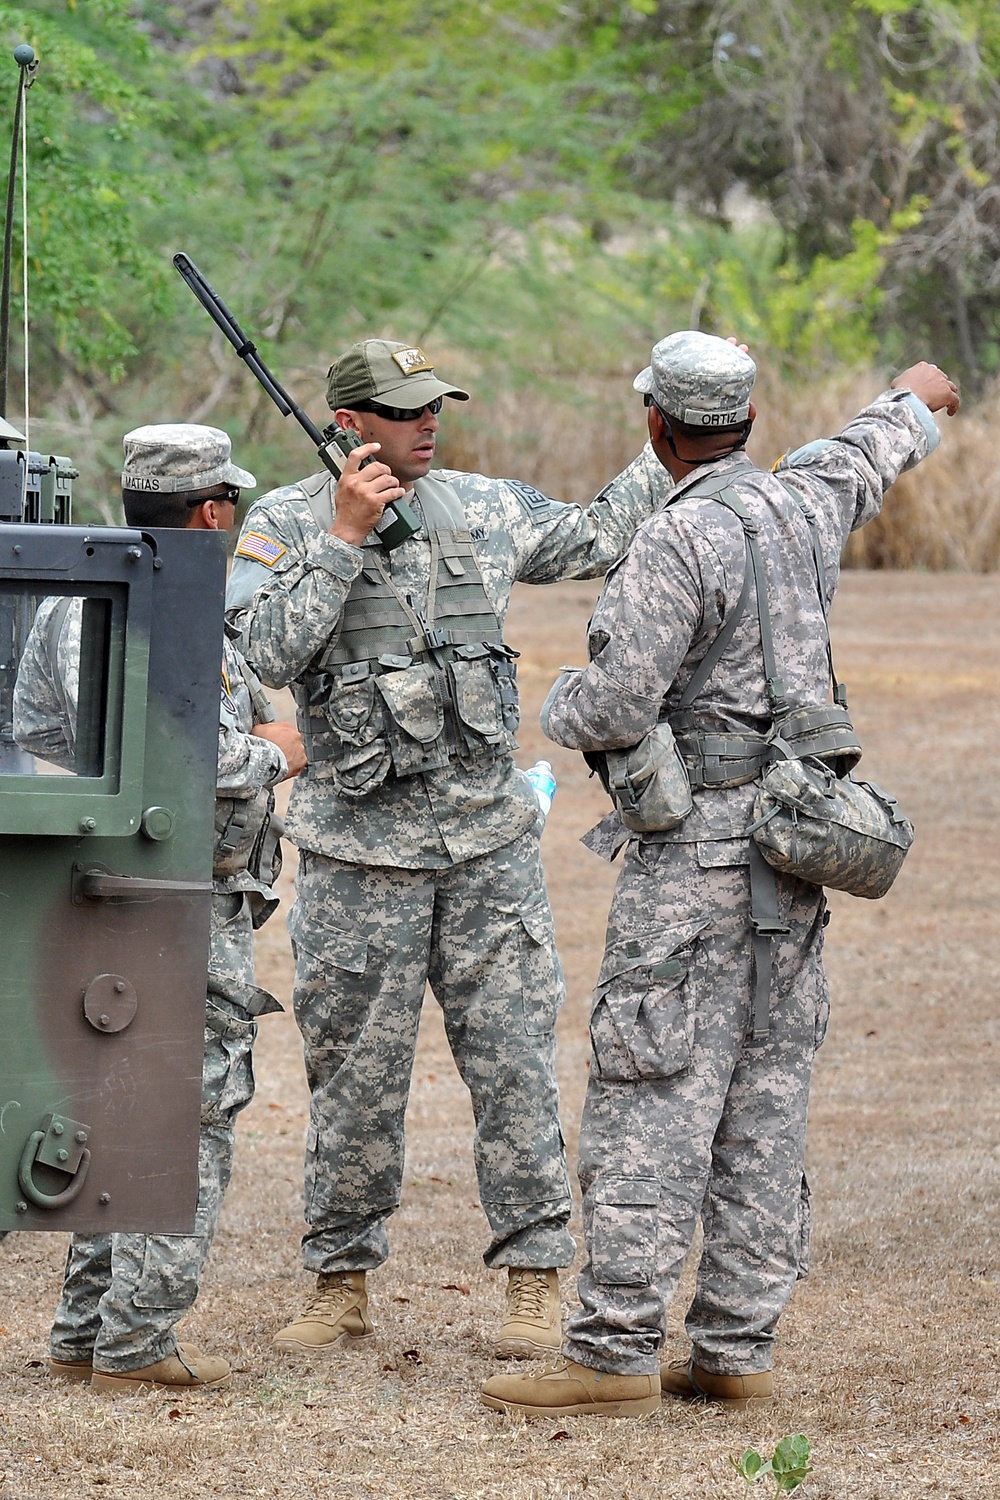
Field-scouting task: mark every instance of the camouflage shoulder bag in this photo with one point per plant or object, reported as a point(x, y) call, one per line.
point(812, 819)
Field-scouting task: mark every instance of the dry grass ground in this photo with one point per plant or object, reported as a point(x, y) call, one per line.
point(890, 1352)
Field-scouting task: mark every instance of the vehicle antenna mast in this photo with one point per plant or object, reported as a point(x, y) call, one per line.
point(27, 64)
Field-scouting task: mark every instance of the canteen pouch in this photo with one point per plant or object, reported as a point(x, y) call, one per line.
point(825, 732)
point(849, 835)
point(649, 783)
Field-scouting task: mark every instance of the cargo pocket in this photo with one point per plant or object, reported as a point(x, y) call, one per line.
point(642, 1022)
point(227, 1077)
point(169, 1280)
point(476, 701)
point(542, 987)
point(623, 1230)
point(415, 720)
point(332, 947)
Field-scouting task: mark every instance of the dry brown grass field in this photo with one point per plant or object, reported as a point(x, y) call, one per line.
point(889, 1354)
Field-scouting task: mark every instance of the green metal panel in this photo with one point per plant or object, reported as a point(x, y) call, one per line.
point(105, 891)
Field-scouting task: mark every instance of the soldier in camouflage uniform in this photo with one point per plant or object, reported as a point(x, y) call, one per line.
point(691, 1107)
point(418, 834)
point(123, 1293)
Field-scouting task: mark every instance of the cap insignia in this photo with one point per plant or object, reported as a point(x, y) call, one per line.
point(412, 361)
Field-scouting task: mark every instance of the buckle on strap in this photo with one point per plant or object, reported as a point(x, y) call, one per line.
point(769, 927)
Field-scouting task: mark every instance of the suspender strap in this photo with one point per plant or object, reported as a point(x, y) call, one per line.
point(765, 926)
point(839, 690)
point(714, 654)
point(775, 685)
point(706, 489)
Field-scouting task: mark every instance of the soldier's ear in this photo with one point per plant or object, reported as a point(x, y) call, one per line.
point(349, 420)
point(203, 517)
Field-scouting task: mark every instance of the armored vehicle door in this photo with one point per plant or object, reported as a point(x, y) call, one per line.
point(110, 650)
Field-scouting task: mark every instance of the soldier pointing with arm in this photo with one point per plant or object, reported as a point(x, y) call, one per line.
point(418, 834)
point(696, 1100)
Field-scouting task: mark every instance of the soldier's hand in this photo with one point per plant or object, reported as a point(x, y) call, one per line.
point(288, 741)
point(362, 495)
point(932, 385)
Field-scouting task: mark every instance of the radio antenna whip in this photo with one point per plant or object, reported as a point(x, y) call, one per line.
point(27, 64)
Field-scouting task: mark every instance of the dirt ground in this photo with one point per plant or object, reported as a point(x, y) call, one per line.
point(888, 1356)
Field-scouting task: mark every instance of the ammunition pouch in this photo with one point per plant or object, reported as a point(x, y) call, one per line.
point(239, 825)
point(647, 783)
point(366, 719)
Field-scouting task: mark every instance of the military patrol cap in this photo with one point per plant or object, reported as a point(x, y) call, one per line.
point(382, 370)
point(702, 380)
point(169, 458)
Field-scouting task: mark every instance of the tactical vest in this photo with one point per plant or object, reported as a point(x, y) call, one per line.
point(403, 690)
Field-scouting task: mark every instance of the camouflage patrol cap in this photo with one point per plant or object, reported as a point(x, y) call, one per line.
point(382, 370)
point(169, 458)
point(702, 380)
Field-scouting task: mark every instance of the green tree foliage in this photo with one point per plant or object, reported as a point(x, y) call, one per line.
point(88, 267)
point(542, 185)
point(391, 154)
point(880, 111)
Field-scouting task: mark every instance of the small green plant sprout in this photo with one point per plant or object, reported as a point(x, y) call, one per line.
point(787, 1467)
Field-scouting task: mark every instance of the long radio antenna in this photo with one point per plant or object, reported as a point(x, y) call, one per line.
point(27, 64)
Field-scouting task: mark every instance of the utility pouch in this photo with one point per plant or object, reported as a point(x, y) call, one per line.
point(474, 687)
point(239, 822)
point(648, 783)
point(414, 720)
point(829, 830)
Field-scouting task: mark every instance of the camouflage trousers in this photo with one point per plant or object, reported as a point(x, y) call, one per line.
point(367, 940)
point(123, 1293)
point(686, 1115)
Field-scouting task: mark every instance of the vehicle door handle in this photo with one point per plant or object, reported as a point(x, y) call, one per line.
point(95, 883)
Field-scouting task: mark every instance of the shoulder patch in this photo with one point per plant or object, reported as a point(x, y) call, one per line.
point(534, 502)
point(804, 455)
point(260, 548)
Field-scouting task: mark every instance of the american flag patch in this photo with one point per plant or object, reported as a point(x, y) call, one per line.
point(260, 548)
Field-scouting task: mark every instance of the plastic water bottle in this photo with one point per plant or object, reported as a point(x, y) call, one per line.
point(544, 783)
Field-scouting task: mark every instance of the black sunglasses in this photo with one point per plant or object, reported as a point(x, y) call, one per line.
point(230, 493)
point(401, 413)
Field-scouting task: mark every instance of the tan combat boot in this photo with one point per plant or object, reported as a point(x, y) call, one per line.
point(739, 1392)
point(336, 1314)
point(566, 1389)
point(187, 1370)
point(71, 1369)
point(532, 1328)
